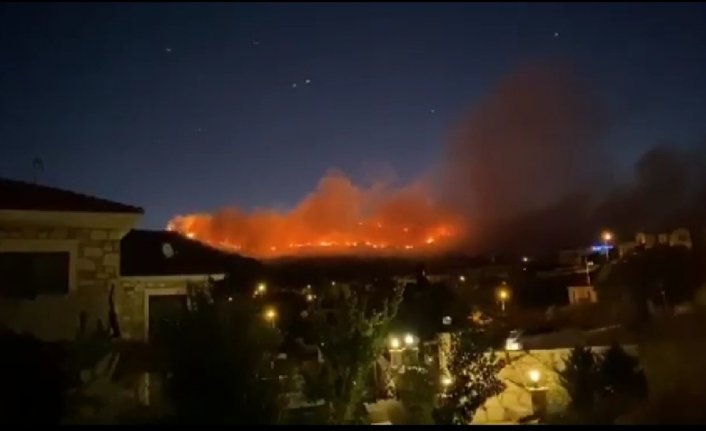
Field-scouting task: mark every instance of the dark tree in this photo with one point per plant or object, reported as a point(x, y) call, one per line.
point(662, 275)
point(417, 390)
point(219, 356)
point(473, 372)
point(580, 379)
point(351, 331)
point(620, 374)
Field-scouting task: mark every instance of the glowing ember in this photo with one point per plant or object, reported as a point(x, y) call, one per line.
point(337, 218)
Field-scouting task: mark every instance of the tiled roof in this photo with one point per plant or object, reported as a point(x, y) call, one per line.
point(156, 252)
point(19, 195)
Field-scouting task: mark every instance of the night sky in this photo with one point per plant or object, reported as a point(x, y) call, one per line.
point(191, 107)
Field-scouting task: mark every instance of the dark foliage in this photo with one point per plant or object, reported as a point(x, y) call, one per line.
point(34, 380)
point(218, 370)
point(579, 378)
point(621, 375)
point(351, 327)
point(417, 390)
point(602, 387)
point(662, 275)
point(473, 369)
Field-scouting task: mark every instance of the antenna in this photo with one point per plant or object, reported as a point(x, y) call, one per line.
point(37, 168)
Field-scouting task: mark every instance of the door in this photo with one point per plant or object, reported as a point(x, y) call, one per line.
point(164, 312)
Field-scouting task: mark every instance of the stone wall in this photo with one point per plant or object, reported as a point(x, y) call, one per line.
point(515, 401)
point(132, 296)
point(131, 302)
point(95, 265)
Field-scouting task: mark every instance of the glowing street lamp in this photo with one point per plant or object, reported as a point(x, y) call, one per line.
point(260, 289)
point(503, 295)
point(271, 316)
point(409, 339)
point(446, 381)
point(395, 343)
point(461, 278)
point(607, 237)
point(310, 297)
point(534, 376)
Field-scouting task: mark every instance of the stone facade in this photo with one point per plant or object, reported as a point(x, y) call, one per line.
point(132, 300)
point(515, 401)
point(94, 267)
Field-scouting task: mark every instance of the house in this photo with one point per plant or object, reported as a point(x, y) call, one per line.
point(59, 258)
point(678, 237)
point(67, 258)
point(574, 257)
point(156, 270)
point(582, 295)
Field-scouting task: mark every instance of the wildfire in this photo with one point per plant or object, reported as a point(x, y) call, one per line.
point(337, 218)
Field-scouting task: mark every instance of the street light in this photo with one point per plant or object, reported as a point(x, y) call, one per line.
point(260, 289)
point(461, 278)
point(310, 297)
point(271, 315)
point(607, 237)
point(589, 264)
point(534, 376)
point(395, 343)
point(409, 339)
point(503, 295)
point(446, 381)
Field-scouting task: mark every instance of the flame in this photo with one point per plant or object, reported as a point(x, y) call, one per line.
point(336, 218)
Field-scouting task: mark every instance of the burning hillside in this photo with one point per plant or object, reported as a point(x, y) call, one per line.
point(516, 170)
point(337, 218)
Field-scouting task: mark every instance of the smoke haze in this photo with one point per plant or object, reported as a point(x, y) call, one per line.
point(524, 171)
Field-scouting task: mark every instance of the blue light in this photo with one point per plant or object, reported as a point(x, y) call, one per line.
point(597, 248)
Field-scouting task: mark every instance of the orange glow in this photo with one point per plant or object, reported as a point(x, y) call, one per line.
point(336, 218)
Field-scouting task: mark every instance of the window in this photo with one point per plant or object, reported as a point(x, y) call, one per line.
point(27, 274)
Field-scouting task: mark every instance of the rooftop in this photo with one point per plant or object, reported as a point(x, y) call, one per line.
point(19, 195)
point(163, 253)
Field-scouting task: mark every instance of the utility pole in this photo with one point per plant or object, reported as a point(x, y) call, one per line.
point(37, 168)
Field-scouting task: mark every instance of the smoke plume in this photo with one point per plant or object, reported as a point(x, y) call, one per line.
point(523, 172)
point(518, 160)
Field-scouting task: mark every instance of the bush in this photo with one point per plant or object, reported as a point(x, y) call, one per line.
point(601, 387)
point(218, 368)
point(34, 380)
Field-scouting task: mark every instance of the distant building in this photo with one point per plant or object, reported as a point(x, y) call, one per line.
point(626, 248)
point(678, 237)
point(574, 257)
point(582, 295)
